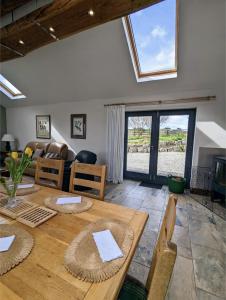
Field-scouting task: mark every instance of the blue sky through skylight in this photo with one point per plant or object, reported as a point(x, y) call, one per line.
point(154, 31)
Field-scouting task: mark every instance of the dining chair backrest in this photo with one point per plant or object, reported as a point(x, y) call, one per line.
point(97, 171)
point(49, 172)
point(164, 255)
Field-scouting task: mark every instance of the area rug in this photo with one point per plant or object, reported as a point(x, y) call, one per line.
point(151, 185)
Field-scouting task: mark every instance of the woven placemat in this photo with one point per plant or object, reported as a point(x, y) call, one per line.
point(26, 191)
point(19, 250)
point(82, 257)
point(85, 204)
point(23, 192)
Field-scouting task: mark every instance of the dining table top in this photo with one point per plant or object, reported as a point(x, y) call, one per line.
point(42, 275)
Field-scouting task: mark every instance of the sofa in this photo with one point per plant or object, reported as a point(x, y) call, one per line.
point(60, 151)
point(48, 150)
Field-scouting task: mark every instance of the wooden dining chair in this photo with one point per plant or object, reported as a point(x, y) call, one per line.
point(49, 172)
point(163, 261)
point(79, 173)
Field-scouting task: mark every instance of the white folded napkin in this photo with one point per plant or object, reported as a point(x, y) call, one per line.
point(25, 185)
point(106, 245)
point(69, 200)
point(6, 242)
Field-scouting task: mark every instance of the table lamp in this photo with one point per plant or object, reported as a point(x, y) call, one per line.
point(8, 138)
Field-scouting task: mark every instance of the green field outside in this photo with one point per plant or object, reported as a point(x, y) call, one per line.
point(144, 138)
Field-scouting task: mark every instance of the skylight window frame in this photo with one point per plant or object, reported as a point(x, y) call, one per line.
point(9, 90)
point(5, 88)
point(143, 76)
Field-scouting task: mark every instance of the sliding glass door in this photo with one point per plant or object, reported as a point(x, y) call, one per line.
point(158, 144)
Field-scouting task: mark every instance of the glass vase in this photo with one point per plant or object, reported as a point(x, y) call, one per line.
point(12, 200)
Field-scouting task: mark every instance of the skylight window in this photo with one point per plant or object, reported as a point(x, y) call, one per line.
point(152, 39)
point(10, 90)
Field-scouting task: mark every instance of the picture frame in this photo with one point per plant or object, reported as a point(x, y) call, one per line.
point(78, 126)
point(43, 127)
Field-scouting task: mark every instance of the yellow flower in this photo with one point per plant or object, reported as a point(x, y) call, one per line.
point(28, 151)
point(14, 155)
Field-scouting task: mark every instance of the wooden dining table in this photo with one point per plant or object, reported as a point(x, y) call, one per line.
point(42, 275)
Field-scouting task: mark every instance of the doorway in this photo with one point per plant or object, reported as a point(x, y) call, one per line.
point(159, 144)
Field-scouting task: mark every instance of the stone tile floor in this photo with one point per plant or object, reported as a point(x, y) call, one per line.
point(200, 235)
point(219, 208)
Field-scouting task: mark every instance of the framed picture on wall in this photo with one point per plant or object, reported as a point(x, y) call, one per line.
point(78, 126)
point(43, 127)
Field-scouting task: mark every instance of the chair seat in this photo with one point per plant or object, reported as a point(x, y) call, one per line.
point(132, 289)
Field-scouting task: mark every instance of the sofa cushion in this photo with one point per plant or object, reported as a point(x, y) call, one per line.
point(31, 145)
point(37, 145)
point(52, 155)
point(59, 148)
point(37, 153)
point(42, 145)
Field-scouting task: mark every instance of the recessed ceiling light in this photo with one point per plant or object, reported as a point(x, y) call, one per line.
point(91, 12)
point(21, 42)
point(51, 29)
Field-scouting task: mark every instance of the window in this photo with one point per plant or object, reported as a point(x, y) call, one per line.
point(152, 38)
point(10, 90)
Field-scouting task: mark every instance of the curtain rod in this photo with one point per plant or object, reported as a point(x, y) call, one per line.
point(159, 102)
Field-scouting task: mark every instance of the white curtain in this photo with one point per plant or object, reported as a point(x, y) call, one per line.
point(115, 142)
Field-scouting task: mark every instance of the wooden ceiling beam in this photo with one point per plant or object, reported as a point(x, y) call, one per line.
point(9, 5)
point(7, 53)
point(66, 17)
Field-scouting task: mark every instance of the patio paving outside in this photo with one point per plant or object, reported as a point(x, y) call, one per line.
point(168, 163)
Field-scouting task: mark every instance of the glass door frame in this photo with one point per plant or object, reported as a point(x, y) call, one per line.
point(132, 174)
point(152, 177)
point(158, 179)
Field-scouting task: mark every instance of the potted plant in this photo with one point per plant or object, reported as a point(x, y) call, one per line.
point(176, 184)
point(16, 169)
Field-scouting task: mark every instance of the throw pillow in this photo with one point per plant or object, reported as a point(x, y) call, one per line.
point(37, 153)
point(51, 155)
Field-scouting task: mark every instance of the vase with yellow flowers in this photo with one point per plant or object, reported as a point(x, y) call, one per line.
point(16, 169)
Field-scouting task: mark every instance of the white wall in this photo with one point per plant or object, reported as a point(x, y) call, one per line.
point(201, 72)
point(22, 124)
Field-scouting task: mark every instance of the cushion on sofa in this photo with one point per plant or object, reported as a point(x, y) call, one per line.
point(51, 155)
point(37, 145)
point(37, 153)
point(59, 148)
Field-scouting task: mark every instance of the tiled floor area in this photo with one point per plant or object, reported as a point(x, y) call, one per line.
point(218, 207)
point(200, 269)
